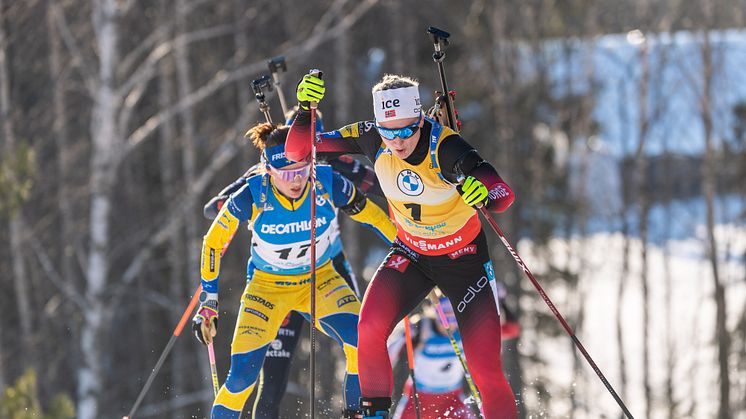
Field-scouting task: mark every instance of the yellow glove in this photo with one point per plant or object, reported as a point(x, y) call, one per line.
point(310, 89)
point(473, 191)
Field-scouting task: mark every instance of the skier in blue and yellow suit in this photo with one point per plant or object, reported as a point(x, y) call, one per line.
point(277, 205)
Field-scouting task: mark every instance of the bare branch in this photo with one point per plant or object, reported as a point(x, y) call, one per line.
point(79, 60)
point(146, 70)
point(125, 6)
point(223, 78)
point(147, 44)
point(219, 80)
point(67, 289)
point(225, 153)
point(328, 17)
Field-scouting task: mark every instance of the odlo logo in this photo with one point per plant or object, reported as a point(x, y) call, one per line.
point(471, 293)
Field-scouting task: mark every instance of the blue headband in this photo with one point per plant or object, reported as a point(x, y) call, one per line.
point(275, 156)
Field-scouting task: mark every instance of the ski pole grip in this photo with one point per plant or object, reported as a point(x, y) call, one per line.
point(439, 36)
point(316, 73)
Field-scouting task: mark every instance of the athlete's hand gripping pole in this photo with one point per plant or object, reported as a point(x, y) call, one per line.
point(166, 351)
point(554, 310)
point(313, 104)
point(257, 86)
point(435, 295)
point(410, 361)
point(276, 66)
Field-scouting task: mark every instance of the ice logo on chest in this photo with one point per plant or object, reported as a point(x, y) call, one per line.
point(410, 183)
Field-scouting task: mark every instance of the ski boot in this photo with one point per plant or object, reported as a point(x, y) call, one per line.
point(374, 408)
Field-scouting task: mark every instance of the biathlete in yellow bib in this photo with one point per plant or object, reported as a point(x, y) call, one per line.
point(276, 204)
point(432, 179)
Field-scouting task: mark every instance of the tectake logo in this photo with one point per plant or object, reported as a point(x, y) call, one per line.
point(410, 183)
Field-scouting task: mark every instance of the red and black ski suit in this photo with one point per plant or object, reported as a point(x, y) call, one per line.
point(439, 243)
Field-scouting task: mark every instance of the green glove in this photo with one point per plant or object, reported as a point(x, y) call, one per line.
point(310, 89)
point(473, 191)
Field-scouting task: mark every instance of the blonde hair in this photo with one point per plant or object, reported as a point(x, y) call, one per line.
point(394, 81)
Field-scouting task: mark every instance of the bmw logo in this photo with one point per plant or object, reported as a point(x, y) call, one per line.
point(410, 183)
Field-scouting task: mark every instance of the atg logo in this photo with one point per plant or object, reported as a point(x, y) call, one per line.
point(410, 183)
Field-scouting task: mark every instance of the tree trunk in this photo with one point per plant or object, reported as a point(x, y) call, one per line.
point(106, 143)
point(16, 223)
point(69, 236)
point(668, 286)
point(189, 163)
point(175, 251)
point(343, 92)
point(619, 301)
point(242, 41)
point(643, 209)
point(709, 188)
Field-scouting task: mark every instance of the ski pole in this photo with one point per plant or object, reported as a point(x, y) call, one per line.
point(257, 86)
point(313, 105)
point(213, 369)
point(164, 354)
point(434, 296)
point(410, 361)
point(440, 41)
point(277, 65)
point(554, 310)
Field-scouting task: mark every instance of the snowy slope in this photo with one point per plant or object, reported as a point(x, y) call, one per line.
point(691, 323)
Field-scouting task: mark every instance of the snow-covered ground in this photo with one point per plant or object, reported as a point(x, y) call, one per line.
point(690, 324)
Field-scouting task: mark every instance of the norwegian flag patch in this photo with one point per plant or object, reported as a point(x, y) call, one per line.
point(390, 113)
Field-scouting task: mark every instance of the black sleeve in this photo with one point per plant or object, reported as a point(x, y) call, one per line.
point(454, 149)
point(356, 138)
point(213, 206)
